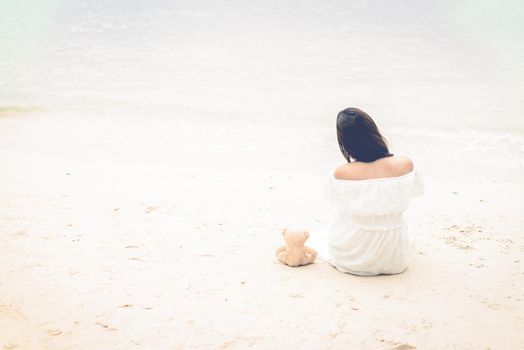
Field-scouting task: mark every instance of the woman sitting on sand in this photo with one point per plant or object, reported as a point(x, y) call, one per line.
point(370, 191)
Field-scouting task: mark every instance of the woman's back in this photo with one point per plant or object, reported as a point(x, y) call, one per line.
point(369, 234)
point(391, 166)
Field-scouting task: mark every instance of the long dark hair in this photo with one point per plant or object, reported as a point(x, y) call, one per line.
point(358, 136)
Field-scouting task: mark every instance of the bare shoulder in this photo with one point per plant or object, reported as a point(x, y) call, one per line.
point(351, 171)
point(400, 165)
point(385, 167)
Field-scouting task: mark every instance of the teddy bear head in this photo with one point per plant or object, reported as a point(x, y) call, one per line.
point(295, 237)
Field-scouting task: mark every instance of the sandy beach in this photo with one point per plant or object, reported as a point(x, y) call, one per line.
point(107, 247)
point(152, 152)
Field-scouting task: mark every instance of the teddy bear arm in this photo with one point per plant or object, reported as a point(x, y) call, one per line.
point(282, 256)
point(311, 251)
point(310, 255)
point(280, 250)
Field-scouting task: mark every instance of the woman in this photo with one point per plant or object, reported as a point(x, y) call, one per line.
point(371, 191)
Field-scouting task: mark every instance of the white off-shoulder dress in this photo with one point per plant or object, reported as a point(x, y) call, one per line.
point(369, 235)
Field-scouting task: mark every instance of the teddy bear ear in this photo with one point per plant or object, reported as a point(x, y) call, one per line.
point(306, 234)
point(284, 231)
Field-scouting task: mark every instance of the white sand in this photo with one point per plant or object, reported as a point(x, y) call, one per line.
point(107, 245)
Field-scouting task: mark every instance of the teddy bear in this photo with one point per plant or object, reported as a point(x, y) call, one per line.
point(294, 253)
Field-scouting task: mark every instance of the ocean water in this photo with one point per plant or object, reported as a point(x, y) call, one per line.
point(441, 78)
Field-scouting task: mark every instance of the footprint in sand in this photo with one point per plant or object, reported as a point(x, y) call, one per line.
point(54, 331)
point(465, 229)
point(105, 326)
point(150, 209)
point(403, 347)
point(395, 345)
